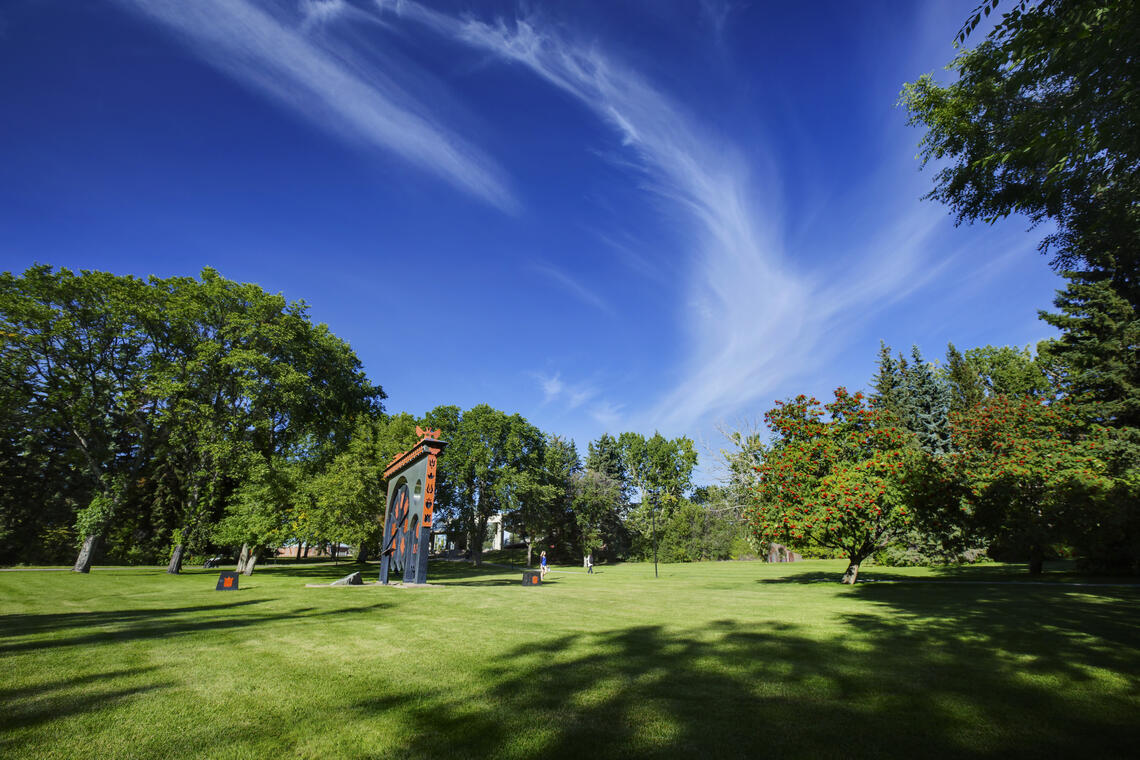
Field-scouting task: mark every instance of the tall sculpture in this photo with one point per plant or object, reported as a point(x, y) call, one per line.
point(407, 516)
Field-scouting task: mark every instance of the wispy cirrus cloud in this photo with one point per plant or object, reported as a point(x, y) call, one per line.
point(755, 318)
point(552, 386)
point(584, 396)
point(265, 47)
point(573, 287)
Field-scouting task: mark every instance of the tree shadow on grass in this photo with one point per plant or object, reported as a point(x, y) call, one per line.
point(369, 570)
point(439, 571)
point(1059, 573)
point(26, 707)
point(930, 678)
point(23, 632)
point(466, 574)
point(1048, 629)
point(804, 576)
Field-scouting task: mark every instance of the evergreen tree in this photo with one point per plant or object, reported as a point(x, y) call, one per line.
point(889, 385)
point(1099, 352)
point(929, 406)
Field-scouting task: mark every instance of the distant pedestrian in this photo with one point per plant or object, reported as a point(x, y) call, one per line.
point(589, 564)
point(542, 564)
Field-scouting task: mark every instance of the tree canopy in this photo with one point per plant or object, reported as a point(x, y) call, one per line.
point(835, 478)
point(1043, 119)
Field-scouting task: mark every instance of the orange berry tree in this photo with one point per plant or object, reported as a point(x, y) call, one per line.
point(1029, 474)
point(834, 478)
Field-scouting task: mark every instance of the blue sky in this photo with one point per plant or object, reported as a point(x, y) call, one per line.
point(624, 215)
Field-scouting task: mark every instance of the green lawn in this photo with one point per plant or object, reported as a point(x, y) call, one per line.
point(709, 660)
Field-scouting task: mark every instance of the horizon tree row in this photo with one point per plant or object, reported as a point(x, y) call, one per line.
point(991, 452)
point(143, 420)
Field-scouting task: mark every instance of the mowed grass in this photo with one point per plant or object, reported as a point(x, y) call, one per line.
point(709, 660)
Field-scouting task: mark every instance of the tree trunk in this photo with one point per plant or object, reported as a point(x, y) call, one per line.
point(653, 513)
point(1036, 559)
point(306, 550)
point(86, 554)
point(852, 573)
point(529, 553)
point(251, 563)
point(243, 558)
point(362, 554)
point(334, 550)
point(477, 541)
point(175, 565)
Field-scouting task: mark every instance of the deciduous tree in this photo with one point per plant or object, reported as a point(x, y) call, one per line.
point(1030, 475)
point(1043, 119)
point(835, 477)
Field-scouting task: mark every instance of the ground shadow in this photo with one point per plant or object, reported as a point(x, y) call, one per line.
point(24, 632)
point(933, 677)
point(54, 700)
point(467, 574)
point(1055, 573)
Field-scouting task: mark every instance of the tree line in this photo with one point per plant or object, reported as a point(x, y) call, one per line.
point(997, 450)
point(986, 454)
point(147, 420)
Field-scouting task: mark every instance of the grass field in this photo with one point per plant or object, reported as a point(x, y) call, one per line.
point(709, 660)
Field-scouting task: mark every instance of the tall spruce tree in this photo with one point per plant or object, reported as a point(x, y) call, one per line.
point(1099, 351)
point(929, 406)
point(890, 386)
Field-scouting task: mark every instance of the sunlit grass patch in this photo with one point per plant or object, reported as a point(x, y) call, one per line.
point(717, 659)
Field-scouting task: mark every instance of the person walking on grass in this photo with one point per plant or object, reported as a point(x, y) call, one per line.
point(590, 564)
point(542, 564)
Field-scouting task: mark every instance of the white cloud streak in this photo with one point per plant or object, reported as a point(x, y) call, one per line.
point(267, 49)
point(755, 320)
point(584, 396)
point(552, 387)
point(575, 288)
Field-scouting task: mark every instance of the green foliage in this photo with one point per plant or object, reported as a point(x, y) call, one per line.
point(597, 499)
point(258, 511)
point(925, 548)
point(345, 501)
point(928, 406)
point(94, 518)
point(1042, 120)
point(1008, 371)
point(964, 380)
point(541, 499)
point(492, 460)
point(699, 532)
point(605, 457)
point(1097, 358)
point(743, 461)
point(662, 470)
point(1027, 472)
point(149, 399)
point(889, 386)
point(835, 478)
